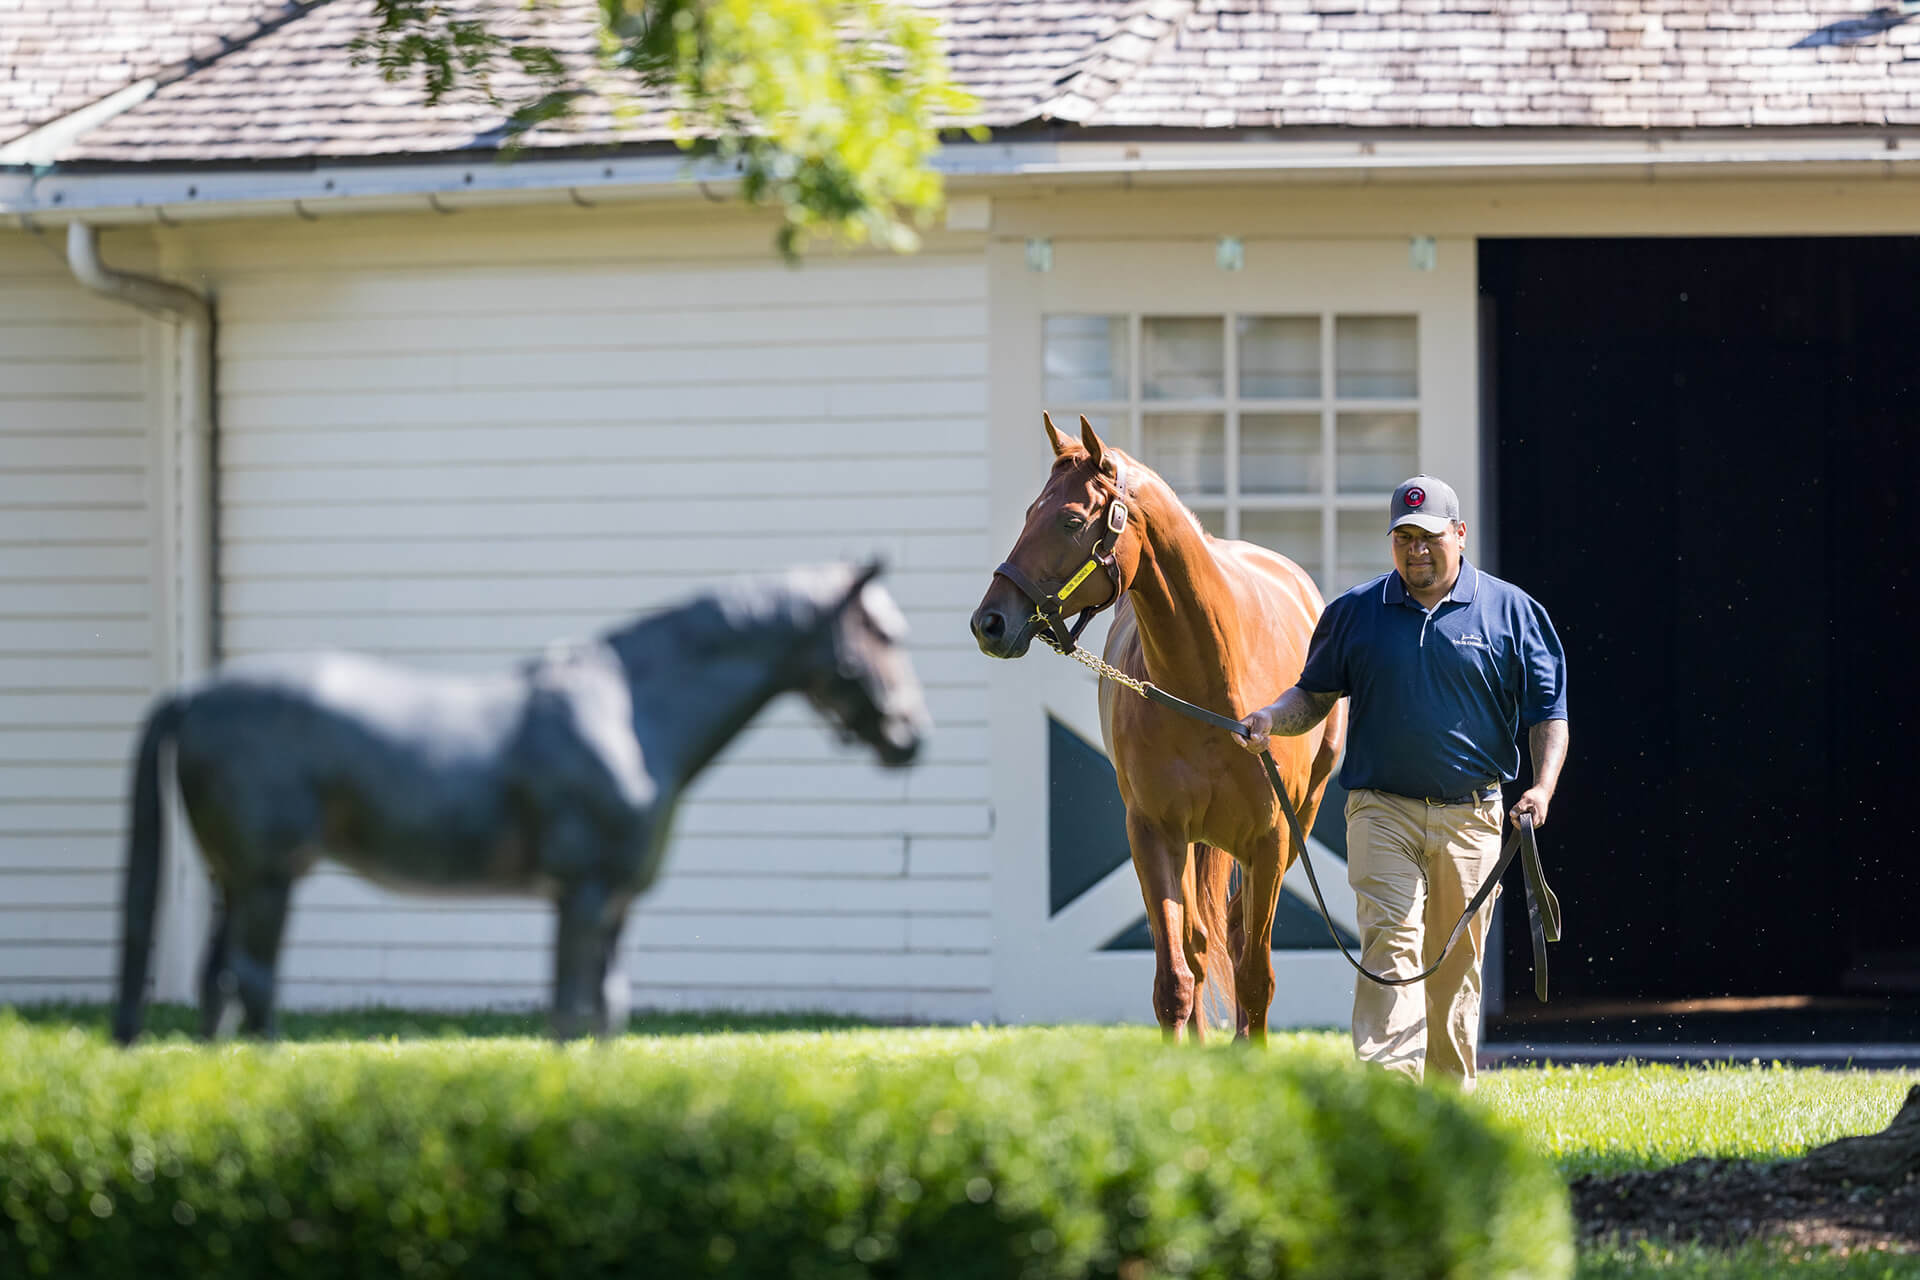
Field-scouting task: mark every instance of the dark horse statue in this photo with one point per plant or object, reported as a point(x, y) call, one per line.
point(559, 778)
point(1221, 624)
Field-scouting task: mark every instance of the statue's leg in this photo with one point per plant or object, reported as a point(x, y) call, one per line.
point(216, 979)
point(579, 957)
point(615, 995)
point(259, 918)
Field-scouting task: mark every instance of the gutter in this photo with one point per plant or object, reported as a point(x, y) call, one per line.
point(162, 192)
point(187, 462)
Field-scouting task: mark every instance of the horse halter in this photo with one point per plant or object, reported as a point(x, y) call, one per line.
point(1049, 606)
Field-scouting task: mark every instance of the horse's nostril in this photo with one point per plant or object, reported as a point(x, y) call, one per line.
point(990, 624)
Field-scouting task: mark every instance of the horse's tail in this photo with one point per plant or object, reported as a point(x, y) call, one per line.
point(1212, 877)
point(143, 869)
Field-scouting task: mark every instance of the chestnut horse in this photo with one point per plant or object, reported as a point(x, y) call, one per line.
point(1222, 624)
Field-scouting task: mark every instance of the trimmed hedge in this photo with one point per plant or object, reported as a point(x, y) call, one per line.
point(934, 1153)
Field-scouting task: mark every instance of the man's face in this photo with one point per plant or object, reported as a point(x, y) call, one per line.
point(1425, 559)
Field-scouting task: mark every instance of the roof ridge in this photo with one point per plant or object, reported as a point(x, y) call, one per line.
point(1103, 70)
point(64, 129)
point(268, 23)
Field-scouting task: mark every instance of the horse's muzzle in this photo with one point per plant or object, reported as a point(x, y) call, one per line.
point(1000, 636)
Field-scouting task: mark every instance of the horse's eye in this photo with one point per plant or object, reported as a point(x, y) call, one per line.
point(1075, 524)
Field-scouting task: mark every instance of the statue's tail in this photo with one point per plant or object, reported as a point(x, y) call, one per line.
point(143, 870)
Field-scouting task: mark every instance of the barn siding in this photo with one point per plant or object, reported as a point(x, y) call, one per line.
point(78, 607)
point(452, 441)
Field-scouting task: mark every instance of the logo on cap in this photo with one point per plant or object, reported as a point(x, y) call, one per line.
point(1416, 496)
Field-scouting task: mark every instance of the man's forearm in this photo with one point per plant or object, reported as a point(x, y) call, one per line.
point(1548, 741)
point(1296, 711)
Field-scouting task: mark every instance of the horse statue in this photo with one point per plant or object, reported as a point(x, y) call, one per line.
point(1222, 624)
point(558, 778)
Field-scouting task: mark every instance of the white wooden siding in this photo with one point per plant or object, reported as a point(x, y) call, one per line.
point(454, 441)
point(77, 611)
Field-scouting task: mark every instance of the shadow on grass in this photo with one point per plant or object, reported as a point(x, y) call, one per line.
point(381, 1023)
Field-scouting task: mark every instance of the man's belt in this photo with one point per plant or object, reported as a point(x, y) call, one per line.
point(1491, 791)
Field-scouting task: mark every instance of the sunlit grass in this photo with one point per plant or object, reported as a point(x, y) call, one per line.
point(1608, 1119)
point(1755, 1262)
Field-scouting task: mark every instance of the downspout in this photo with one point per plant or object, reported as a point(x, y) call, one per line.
point(184, 895)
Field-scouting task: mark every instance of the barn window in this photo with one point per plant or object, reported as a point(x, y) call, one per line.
point(1289, 430)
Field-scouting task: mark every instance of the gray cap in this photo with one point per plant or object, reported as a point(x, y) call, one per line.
point(1425, 503)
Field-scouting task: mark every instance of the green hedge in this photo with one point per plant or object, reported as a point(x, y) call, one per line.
point(934, 1153)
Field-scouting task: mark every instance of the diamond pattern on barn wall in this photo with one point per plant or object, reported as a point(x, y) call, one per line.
point(1087, 841)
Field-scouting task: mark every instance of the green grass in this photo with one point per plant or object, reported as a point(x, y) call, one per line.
point(379, 1023)
point(1615, 1118)
point(1757, 1262)
point(1612, 1119)
point(1605, 1119)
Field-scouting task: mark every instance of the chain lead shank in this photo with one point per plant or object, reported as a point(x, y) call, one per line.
point(1099, 666)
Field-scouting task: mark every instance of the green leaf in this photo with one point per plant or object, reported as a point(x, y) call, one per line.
point(831, 110)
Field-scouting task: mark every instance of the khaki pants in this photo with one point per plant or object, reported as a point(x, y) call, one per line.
point(1414, 867)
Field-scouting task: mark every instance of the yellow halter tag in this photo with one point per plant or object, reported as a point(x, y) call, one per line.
point(1078, 578)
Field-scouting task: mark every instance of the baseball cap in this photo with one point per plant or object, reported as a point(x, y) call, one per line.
point(1425, 503)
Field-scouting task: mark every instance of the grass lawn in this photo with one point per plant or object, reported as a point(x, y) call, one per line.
point(1589, 1119)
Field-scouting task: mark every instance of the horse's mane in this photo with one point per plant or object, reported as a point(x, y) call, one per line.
point(784, 604)
point(1137, 469)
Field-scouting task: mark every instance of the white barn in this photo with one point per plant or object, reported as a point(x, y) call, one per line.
point(462, 408)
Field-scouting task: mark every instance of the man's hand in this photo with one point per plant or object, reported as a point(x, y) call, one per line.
point(1535, 802)
point(1254, 730)
point(1548, 739)
point(1293, 712)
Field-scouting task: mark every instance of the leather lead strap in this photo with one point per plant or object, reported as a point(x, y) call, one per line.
point(1543, 909)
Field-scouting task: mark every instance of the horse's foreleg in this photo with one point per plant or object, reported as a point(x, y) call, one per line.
point(1161, 865)
point(579, 958)
point(257, 920)
point(1194, 940)
point(1260, 901)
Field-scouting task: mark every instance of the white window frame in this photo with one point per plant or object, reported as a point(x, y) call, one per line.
point(1329, 502)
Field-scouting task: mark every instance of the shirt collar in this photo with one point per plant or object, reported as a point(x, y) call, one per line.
point(1394, 590)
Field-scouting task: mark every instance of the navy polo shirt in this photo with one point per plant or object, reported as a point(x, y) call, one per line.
point(1438, 698)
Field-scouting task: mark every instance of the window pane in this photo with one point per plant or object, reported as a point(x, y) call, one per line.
point(1189, 450)
point(1375, 357)
point(1280, 453)
point(1212, 519)
point(1085, 358)
point(1376, 451)
point(1280, 357)
point(1360, 550)
point(1183, 359)
point(1294, 534)
point(1111, 427)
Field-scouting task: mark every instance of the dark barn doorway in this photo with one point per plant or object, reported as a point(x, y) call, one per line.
point(1705, 460)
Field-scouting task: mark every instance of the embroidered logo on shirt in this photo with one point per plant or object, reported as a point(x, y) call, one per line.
point(1472, 638)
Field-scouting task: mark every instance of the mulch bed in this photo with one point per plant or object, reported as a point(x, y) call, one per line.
point(1726, 1203)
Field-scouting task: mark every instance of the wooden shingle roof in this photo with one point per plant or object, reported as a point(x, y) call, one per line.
point(57, 56)
point(1062, 66)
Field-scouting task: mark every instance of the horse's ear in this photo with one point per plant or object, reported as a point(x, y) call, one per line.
point(862, 576)
point(1055, 437)
point(1095, 449)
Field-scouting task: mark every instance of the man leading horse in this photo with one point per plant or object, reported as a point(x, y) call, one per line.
point(1443, 664)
